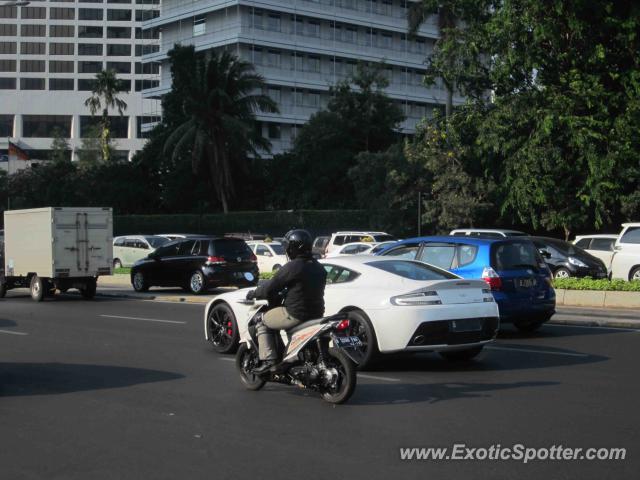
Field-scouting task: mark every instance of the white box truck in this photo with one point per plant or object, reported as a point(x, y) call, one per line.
point(49, 249)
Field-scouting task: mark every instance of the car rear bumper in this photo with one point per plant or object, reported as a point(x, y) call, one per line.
point(397, 327)
point(529, 309)
point(222, 278)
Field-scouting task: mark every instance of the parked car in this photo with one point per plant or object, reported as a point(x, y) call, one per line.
point(246, 236)
point(394, 305)
point(378, 247)
point(625, 263)
point(174, 236)
point(129, 249)
point(319, 246)
point(600, 246)
point(197, 264)
point(487, 232)
point(351, 249)
point(512, 267)
point(271, 255)
point(342, 238)
point(565, 259)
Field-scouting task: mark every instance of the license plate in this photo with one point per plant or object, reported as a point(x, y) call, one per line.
point(526, 282)
point(347, 342)
point(466, 325)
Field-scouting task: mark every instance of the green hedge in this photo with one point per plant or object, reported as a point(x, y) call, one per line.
point(275, 223)
point(591, 284)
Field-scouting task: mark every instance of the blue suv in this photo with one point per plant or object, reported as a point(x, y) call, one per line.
point(512, 267)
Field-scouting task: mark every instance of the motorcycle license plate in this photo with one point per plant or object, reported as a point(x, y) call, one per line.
point(347, 342)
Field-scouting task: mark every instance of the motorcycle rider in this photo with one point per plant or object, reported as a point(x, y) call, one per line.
point(303, 278)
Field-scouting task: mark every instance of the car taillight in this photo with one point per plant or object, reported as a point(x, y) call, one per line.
point(216, 260)
point(343, 325)
point(253, 258)
point(490, 276)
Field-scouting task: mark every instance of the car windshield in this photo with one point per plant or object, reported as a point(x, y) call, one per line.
point(412, 270)
point(565, 248)
point(156, 242)
point(277, 249)
point(515, 255)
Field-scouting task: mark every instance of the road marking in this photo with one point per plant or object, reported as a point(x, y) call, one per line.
point(530, 350)
point(375, 377)
point(227, 359)
point(143, 319)
point(9, 332)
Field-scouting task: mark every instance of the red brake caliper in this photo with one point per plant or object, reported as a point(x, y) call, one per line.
point(229, 329)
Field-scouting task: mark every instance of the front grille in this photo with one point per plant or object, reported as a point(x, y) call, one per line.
point(441, 332)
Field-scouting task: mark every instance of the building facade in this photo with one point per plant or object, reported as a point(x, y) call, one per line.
point(50, 52)
point(302, 47)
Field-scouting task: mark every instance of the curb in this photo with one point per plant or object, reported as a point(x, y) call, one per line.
point(619, 323)
point(157, 298)
point(597, 298)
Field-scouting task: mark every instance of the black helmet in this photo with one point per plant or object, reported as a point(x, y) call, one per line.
point(297, 243)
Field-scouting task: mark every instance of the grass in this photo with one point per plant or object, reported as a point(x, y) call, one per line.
point(591, 284)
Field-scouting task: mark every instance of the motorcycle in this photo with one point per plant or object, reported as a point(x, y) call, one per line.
point(316, 355)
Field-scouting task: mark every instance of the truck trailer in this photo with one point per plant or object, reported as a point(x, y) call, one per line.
point(56, 248)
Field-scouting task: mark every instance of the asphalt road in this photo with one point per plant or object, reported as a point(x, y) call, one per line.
point(127, 389)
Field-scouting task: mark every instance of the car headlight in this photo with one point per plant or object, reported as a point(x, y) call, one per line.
point(578, 263)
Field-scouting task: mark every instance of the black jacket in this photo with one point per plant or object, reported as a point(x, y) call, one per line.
point(304, 279)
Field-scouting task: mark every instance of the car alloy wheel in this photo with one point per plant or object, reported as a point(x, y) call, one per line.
point(562, 273)
point(196, 282)
point(139, 283)
point(635, 275)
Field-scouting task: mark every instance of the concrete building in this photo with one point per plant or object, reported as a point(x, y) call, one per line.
point(302, 47)
point(49, 53)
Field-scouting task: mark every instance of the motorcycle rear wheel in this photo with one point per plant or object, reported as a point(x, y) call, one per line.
point(347, 381)
point(248, 356)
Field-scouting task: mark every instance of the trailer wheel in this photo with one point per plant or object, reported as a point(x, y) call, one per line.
point(38, 288)
point(89, 290)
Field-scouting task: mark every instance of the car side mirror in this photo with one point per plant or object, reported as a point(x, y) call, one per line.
point(544, 253)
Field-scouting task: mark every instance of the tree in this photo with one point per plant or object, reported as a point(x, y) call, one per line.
point(562, 119)
point(104, 96)
point(220, 104)
point(359, 117)
point(60, 150)
point(91, 151)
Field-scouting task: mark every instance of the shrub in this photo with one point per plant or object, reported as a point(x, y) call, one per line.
point(591, 284)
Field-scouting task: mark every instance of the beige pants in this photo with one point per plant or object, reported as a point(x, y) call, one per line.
point(275, 319)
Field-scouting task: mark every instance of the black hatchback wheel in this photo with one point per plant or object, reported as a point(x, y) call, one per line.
point(222, 329)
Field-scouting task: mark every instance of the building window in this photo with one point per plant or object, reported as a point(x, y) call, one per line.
point(257, 20)
point(273, 58)
point(61, 30)
point(86, 31)
point(7, 65)
point(6, 125)
point(61, 84)
point(119, 50)
point(385, 40)
point(8, 12)
point(118, 32)
point(89, 49)
point(118, 15)
point(119, 67)
point(32, 66)
point(86, 84)
point(144, 125)
point(60, 66)
point(90, 14)
point(152, 68)
point(33, 48)
point(61, 48)
point(43, 126)
point(89, 67)
point(7, 30)
point(274, 94)
point(7, 48)
point(118, 1)
point(146, 84)
point(199, 26)
point(150, 34)
point(144, 15)
point(33, 30)
point(119, 126)
point(56, 13)
point(313, 63)
point(7, 83)
point(313, 28)
point(146, 49)
point(273, 22)
point(274, 131)
point(33, 12)
point(32, 84)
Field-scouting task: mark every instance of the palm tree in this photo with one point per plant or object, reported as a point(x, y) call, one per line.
point(418, 14)
point(220, 129)
point(104, 96)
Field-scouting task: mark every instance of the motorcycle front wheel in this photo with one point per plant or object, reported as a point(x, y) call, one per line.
point(247, 359)
point(343, 387)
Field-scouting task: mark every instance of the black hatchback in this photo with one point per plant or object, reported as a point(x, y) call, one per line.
point(197, 264)
point(566, 260)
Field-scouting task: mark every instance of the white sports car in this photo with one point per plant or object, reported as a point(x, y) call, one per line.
point(394, 305)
